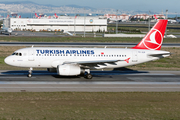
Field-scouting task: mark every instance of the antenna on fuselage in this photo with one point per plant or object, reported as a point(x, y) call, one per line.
point(32, 46)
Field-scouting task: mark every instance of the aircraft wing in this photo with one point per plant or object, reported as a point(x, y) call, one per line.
point(92, 62)
point(95, 63)
point(2, 30)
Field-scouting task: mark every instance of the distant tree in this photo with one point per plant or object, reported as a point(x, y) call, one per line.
point(160, 18)
point(141, 19)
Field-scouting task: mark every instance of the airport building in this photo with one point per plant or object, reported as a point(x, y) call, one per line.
point(65, 23)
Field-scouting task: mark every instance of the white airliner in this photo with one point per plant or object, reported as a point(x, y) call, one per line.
point(79, 61)
point(6, 30)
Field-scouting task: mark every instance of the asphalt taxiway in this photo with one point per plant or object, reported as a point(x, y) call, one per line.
point(103, 81)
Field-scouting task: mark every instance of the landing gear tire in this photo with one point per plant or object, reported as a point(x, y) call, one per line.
point(88, 76)
point(29, 75)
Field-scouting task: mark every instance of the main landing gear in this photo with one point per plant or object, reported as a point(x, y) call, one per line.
point(87, 74)
point(30, 72)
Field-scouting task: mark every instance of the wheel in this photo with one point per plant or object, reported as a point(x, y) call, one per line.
point(29, 75)
point(89, 76)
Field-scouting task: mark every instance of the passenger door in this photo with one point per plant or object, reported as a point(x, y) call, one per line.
point(31, 54)
point(135, 56)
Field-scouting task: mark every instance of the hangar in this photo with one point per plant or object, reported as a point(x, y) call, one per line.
point(65, 23)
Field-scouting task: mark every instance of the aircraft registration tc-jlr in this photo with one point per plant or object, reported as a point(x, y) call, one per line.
point(79, 61)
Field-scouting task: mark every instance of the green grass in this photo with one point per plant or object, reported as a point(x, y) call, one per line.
point(80, 39)
point(90, 106)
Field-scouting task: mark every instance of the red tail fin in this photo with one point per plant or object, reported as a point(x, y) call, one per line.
point(36, 15)
point(154, 38)
point(55, 15)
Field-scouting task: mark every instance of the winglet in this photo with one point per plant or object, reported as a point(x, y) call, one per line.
point(154, 38)
point(155, 17)
point(36, 15)
point(55, 15)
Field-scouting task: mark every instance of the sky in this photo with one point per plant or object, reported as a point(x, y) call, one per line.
point(173, 6)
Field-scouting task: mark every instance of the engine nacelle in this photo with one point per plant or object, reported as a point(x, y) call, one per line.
point(69, 70)
point(52, 69)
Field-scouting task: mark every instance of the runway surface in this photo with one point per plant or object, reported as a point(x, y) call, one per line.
point(103, 81)
point(79, 44)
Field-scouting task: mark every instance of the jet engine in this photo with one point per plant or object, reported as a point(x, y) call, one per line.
point(69, 70)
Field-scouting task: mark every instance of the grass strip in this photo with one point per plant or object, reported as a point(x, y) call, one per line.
point(90, 106)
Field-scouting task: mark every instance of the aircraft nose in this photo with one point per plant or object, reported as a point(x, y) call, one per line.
point(7, 60)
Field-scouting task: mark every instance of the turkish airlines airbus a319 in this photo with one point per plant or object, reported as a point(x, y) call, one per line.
point(79, 61)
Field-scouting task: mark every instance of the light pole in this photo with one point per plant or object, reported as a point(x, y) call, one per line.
point(84, 22)
point(74, 22)
point(167, 23)
point(149, 21)
point(116, 23)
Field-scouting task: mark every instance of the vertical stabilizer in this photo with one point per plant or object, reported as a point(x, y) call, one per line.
point(154, 38)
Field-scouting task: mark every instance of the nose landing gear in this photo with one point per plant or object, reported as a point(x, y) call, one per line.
point(30, 72)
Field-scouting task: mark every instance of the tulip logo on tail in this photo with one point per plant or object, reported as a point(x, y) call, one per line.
point(153, 40)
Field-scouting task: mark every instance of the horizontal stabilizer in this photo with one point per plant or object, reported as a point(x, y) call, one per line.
point(159, 55)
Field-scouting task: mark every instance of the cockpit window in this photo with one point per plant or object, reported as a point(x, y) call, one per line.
point(17, 54)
